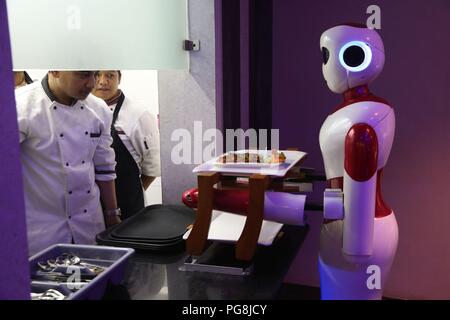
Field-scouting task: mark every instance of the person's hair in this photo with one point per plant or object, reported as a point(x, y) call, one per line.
point(118, 71)
point(28, 79)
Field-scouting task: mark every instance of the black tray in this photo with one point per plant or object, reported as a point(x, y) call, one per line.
point(156, 228)
point(158, 223)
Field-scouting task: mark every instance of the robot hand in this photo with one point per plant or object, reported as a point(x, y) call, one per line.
point(333, 209)
point(333, 204)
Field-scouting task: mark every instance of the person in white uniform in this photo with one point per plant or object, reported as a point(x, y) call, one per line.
point(135, 141)
point(67, 161)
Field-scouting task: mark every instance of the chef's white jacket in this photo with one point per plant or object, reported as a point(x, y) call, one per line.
point(64, 149)
point(138, 130)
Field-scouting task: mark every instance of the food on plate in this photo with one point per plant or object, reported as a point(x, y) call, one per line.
point(253, 157)
point(277, 157)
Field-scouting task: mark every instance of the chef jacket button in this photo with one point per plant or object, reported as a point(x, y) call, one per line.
point(54, 108)
point(83, 161)
point(61, 135)
point(70, 192)
point(70, 217)
point(67, 164)
point(82, 107)
point(86, 132)
point(89, 191)
point(85, 211)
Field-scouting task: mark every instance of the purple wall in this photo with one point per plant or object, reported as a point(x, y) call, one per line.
point(14, 275)
point(218, 64)
point(244, 48)
point(415, 81)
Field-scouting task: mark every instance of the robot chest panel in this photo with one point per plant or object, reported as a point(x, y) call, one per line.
point(335, 128)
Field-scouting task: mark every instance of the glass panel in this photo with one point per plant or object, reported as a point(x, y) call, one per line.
point(98, 34)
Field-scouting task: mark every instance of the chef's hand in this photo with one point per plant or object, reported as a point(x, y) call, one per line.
point(112, 221)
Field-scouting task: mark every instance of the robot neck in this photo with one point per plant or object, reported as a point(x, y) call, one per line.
point(358, 94)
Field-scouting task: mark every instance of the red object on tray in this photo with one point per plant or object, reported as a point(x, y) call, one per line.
point(234, 201)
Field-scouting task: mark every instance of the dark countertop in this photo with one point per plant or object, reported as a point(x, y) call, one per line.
point(156, 276)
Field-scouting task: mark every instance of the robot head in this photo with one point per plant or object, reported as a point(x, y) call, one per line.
point(352, 56)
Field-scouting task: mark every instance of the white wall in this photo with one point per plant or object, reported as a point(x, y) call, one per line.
point(141, 86)
point(188, 96)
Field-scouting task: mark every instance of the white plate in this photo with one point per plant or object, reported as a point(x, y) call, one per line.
point(292, 158)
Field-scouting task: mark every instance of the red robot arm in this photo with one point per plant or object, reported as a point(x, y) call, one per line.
point(361, 152)
point(360, 179)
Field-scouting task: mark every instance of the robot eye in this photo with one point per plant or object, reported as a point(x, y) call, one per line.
point(355, 56)
point(325, 55)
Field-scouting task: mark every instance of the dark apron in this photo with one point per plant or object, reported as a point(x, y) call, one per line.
point(130, 196)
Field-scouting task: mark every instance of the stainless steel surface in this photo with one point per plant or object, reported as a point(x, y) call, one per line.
point(157, 276)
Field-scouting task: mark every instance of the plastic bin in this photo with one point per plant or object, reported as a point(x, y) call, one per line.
point(112, 258)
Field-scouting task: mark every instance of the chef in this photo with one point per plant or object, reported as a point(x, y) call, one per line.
point(136, 143)
point(67, 162)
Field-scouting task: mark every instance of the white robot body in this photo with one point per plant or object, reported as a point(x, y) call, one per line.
point(344, 278)
point(357, 249)
point(332, 135)
point(359, 220)
point(349, 247)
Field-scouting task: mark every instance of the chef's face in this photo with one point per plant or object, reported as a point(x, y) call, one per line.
point(106, 84)
point(76, 84)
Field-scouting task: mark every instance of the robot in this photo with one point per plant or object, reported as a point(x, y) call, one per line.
point(359, 235)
